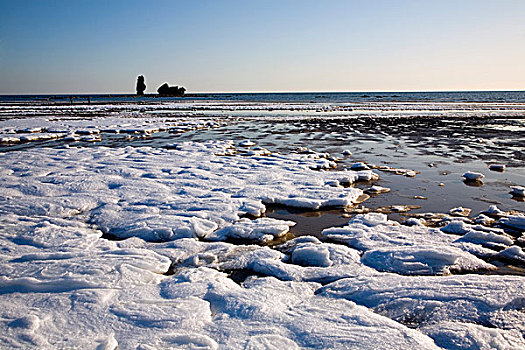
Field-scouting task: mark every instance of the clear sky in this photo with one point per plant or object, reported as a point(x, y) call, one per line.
point(254, 45)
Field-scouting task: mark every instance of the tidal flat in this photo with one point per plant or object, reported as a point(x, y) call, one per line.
point(225, 223)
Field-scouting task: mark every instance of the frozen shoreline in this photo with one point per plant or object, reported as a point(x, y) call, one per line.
point(166, 282)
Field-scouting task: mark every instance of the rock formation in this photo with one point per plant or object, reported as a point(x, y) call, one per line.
point(166, 90)
point(141, 86)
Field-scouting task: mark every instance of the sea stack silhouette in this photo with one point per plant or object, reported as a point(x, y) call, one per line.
point(166, 90)
point(141, 86)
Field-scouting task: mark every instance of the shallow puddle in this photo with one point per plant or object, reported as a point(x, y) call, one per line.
point(308, 223)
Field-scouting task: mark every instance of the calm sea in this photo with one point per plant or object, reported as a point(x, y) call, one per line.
point(301, 97)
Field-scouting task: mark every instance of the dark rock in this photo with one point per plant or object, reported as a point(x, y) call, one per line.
point(166, 90)
point(141, 86)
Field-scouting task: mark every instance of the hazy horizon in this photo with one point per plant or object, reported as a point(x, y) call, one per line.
point(96, 47)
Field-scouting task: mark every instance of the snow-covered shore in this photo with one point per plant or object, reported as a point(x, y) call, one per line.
point(168, 246)
point(167, 284)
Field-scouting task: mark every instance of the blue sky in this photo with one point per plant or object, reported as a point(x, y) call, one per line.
point(282, 45)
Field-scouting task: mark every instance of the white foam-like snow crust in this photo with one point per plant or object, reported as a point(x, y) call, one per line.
point(74, 128)
point(107, 294)
point(315, 255)
point(165, 194)
point(428, 302)
point(300, 259)
point(461, 335)
point(62, 285)
point(287, 313)
point(414, 250)
point(457, 227)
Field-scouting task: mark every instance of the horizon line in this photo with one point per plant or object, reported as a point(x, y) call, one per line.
point(254, 92)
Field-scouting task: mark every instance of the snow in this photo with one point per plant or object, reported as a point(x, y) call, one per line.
point(456, 227)
point(460, 335)
point(71, 128)
point(289, 313)
point(262, 229)
point(444, 307)
point(165, 278)
point(415, 250)
point(165, 194)
point(486, 239)
point(313, 255)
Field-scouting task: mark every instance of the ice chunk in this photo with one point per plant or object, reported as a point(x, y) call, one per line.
point(253, 208)
point(391, 247)
point(110, 343)
point(186, 340)
point(359, 166)
point(9, 139)
point(486, 239)
point(289, 313)
point(497, 167)
point(483, 220)
point(456, 227)
point(247, 143)
point(369, 219)
point(473, 176)
point(262, 229)
point(311, 255)
point(415, 222)
point(344, 261)
point(367, 175)
point(459, 335)
point(425, 300)
point(493, 210)
point(423, 260)
point(518, 191)
point(460, 211)
point(377, 189)
point(514, 221)
point(513, 253)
